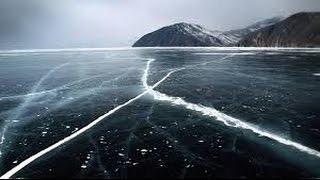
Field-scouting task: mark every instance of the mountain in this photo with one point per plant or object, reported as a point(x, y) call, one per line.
point(186, 34)
point(298, 30)
point(180, 34)
point(238, 34)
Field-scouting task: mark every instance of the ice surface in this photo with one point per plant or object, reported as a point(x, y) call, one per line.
point(180, 115)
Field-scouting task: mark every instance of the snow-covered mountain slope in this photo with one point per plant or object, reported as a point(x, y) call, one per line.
point(180, 34)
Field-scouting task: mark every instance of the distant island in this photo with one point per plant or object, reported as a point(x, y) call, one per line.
point(298, 30)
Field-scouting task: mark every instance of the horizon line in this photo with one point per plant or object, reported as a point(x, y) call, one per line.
point(158, 47)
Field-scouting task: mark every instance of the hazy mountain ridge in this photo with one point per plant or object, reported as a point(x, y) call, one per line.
point(238, 34)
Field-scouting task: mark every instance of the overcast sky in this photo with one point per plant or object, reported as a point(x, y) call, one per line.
point(28, 24)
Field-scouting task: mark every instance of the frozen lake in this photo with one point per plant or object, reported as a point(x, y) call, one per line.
point(160, 112)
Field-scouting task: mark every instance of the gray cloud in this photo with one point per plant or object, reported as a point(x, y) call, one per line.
point(105, 23)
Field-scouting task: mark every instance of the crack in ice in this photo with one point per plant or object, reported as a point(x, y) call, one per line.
point(226, 119)
point(19, 110)
point(208, 111)
point(87, 127)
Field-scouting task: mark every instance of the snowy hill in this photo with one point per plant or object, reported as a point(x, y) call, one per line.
point(180, 34)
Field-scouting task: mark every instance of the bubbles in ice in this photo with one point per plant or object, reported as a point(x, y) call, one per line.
point(143, 151)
